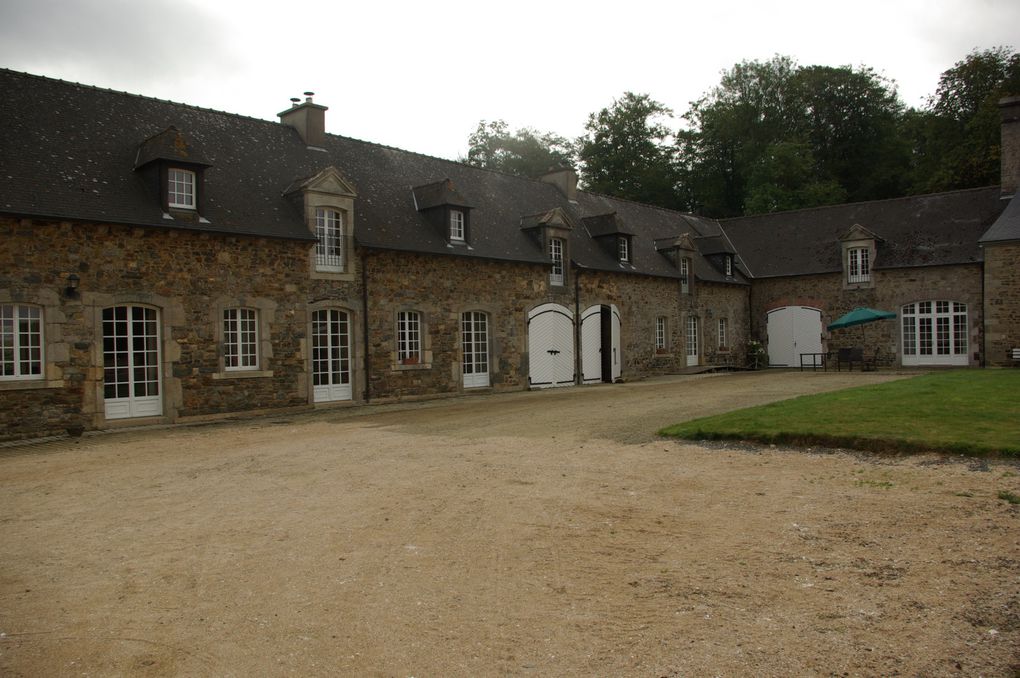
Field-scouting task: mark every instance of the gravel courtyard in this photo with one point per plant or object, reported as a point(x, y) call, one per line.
point(543, 533)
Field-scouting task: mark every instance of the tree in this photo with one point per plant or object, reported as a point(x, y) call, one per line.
point(819, 134)
point(627, 151)
point(525, 152)
point(956, 138)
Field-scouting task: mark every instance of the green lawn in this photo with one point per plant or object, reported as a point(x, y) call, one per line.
point(963, 411)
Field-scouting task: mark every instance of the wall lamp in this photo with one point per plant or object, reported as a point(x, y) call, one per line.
point(71, 291)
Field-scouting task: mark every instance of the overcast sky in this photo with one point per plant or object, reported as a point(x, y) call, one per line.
point(420, 75)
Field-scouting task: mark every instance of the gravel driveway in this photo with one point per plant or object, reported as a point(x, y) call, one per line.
point(544, 533)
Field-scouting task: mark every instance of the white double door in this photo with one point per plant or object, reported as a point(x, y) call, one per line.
point(474, 338)
point(793, 330)
point(131, 367)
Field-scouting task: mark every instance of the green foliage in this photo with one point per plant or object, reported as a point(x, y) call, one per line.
point(775, 136)
point(956, 139)
point(627, 151)
point(964, 411)
point(526, 152)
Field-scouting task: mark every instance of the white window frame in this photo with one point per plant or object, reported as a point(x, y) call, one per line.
point(685, 275)
point(729, 266)
point(556, 254)
point(623, 248)
point(723, 332)
point(660, 333)
point(240, 339)
point(935, 332)
point(21, 342)
point(409, 338)
point(858, 265)
point(457, 225)
point(330, 250)
point(181, 187)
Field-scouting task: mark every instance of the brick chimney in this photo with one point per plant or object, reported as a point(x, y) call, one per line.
point(563, 178)
point(1009, 149)
point(308, 118)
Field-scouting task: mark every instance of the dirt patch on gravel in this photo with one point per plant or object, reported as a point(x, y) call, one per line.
point(532, 533)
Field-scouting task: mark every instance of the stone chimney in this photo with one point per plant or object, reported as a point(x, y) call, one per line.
point(1009, 149)
point(565, 179)
point(309, 119)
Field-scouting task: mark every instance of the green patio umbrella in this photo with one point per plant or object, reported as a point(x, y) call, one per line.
point(861, 316)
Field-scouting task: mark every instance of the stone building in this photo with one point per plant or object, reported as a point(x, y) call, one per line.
point(166, 263)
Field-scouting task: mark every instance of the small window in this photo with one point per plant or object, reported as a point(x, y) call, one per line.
point(623, 248)
point(240, 339)
point(408, 337)
point(724, 326)
point(556, 254)
point(685, 275)
point(729, 266)
point(180, 190)
point(329, 229)
point(457, 225)
point(858, 265)
point(20, 342)
point(660, 334)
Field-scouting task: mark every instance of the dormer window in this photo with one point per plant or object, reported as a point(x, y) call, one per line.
point(623, 248)
point(456, 226)
point(329, 250)
point(556, 255)
point(858, 266)
point(180, 189)
point(685, 275)
point(728, 263)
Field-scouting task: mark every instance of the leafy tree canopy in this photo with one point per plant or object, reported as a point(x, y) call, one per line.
point(627, 152)
point(956, 138)
point(526, 152)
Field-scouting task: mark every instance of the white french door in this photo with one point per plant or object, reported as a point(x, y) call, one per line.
point(692, 341)
point(331, 356)
point(474, 332)
point(131, 384)
point(935, 333)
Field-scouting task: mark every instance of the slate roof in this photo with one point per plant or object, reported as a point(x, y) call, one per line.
point(69, 151)
point(1007, 227)
point(924, 230)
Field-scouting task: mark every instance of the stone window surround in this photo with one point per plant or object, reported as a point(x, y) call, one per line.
point(845, 247)
point(344, 205)
point(54, 348)
point(265, 314)
point(425, 362)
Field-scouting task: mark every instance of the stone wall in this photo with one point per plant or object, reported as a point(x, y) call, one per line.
point(892, 289)
point(440, 289)
point(189, 277)
point(711, 302)
point(1002, 302)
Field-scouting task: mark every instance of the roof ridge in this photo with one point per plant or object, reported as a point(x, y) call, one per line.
point(266, 121)
point(648, 204)
point(913, 196)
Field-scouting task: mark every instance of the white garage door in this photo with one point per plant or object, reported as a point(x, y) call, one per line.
point(793, 330)
point(550, 346)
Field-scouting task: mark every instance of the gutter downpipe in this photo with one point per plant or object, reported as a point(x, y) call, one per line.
point(367, 395)
point(578, 378)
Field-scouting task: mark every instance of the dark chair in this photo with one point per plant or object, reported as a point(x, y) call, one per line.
point(849, 356)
